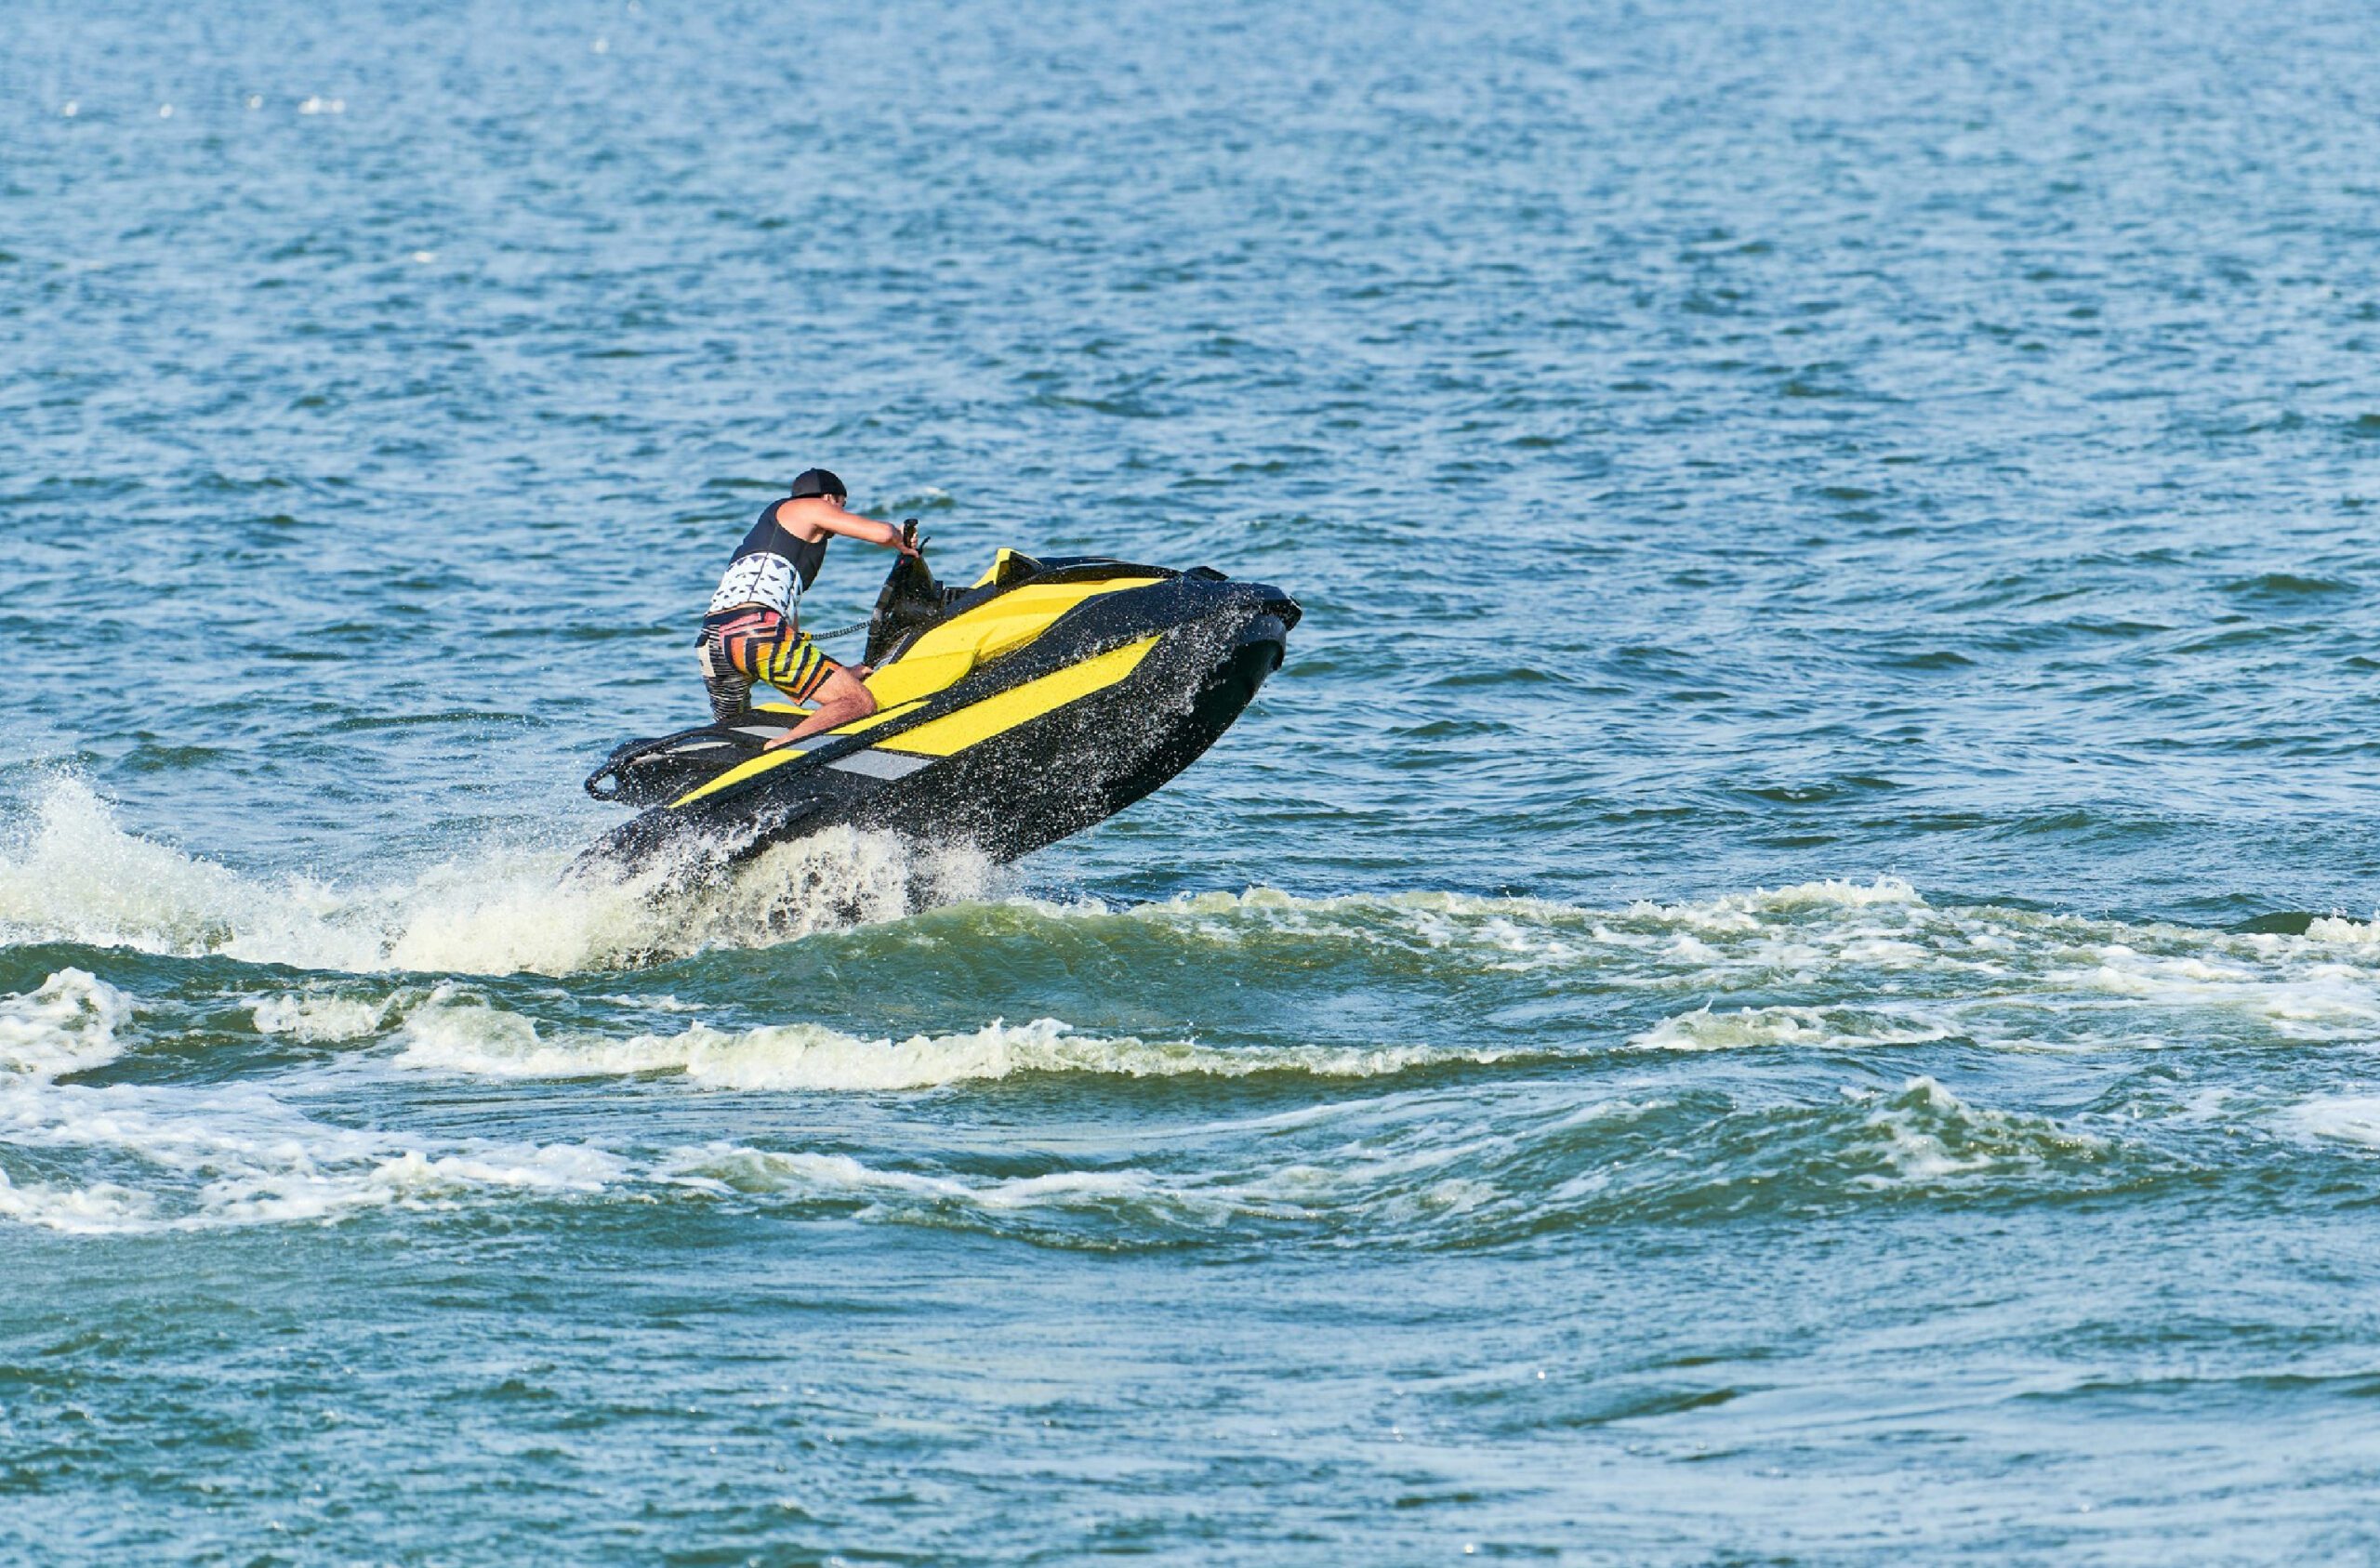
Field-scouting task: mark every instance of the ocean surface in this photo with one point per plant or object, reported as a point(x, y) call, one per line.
point(1786, 974)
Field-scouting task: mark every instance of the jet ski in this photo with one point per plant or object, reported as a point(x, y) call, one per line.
point(1047, 695)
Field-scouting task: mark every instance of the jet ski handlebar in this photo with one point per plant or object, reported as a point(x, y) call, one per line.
point(911, 600)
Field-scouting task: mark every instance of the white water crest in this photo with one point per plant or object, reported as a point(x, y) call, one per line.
point(1707, 1029)
point(1465, 1161)
point(316, 1019)
point(476, 1040)
point(1926, 1136)
point(177, 1157)
point(68, 1025)
point(69, 872)
point(2002, 977)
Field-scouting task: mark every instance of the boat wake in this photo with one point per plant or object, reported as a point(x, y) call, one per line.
point(1424, 1069)
point(71, 873)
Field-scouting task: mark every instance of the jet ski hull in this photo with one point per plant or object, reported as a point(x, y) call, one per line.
point(1118, 693)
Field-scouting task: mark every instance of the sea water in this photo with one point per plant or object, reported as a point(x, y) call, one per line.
point(1786, 972)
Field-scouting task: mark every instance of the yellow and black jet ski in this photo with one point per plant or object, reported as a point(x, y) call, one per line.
point(1048, 695)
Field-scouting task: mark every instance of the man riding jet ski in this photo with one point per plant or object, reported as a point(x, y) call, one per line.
point(1045, 696)
point(753, 632)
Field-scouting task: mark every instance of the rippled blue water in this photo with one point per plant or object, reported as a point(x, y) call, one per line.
point(1781, 976)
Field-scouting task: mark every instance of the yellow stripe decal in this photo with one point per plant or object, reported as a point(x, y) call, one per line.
point(978, 722)
point(881, 716)
point(946, 654)
point(738, 774)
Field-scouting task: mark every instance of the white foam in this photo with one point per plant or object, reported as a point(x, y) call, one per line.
point(1911, 1127)
point(2294, 987)
point(1812, 925)
point(1423, 1175)
point(67, 1025)
point(2345, 933)
point(1146, 1195)
point(1743, 912)
point(2341, 1118)
point(315, 1018)
point(465, 1037)
point(183, 1157)
point(1989, 974)
point(409, 1177)
point(1927, 1135)
point(1885, 952)
point(69, 873)
point(1705, 1030)
point(195, 1159)
point(101, 1208)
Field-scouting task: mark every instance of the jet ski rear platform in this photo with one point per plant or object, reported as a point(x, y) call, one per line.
point(1046, 696)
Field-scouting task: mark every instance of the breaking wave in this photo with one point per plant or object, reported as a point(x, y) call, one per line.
point(1923, 972)
point(168, 1157)
point(1425, 1167)
point(1465, 1185)
point(69, 873)
point(483, 1041)
point(1511, 1068)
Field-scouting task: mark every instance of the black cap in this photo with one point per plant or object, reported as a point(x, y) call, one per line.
point(818, 481)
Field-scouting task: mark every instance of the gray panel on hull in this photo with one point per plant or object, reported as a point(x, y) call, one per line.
point(880, 764)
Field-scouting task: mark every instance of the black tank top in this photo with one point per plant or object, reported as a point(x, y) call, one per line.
point(767, 566)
